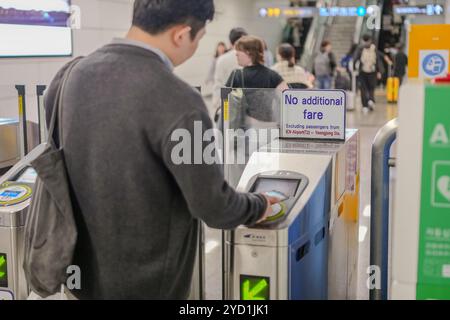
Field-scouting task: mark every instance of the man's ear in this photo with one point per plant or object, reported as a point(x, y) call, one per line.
point(180, 34)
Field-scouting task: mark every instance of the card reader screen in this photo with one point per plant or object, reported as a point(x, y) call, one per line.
point(286, 186)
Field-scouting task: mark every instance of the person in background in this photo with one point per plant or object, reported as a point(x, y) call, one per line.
point(347, 60)
point(293, 34)
point(257, 103)
point(291, 73)
point(268, 56)
point(400, 63)
point(225, 65)
point(388, 61)
point(250, 56)
point(221, 49)
point(369, 61)
point(324, 66)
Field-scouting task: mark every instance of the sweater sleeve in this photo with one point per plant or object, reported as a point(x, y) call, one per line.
point(193, 164)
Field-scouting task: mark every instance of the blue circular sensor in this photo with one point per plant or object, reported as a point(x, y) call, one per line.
point(434, 64)
point(361, 11)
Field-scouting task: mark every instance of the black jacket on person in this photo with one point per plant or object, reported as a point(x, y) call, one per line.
point(400, 64)
point(257, 76)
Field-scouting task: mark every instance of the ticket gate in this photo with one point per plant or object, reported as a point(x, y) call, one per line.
point(308, 248)
point(16, 190)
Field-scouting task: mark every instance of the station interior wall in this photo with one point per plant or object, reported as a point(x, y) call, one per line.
point(102, 20)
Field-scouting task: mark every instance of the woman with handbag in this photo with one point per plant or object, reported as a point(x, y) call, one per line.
point(256, 105)
point(250, 55)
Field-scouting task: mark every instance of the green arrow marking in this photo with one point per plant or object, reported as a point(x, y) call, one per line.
point(2, 262)
point(251, 294)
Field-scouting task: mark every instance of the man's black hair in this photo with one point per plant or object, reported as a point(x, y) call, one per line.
point(156, 16)
point(236, 34)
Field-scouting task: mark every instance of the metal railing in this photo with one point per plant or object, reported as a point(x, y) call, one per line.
point(380, 190)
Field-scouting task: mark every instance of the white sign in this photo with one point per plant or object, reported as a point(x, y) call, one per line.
point(433, 63)
point(440, 188)
point(313, 114)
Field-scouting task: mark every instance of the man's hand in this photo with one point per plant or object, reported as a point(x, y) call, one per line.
point(379, 76)
point(270, 201)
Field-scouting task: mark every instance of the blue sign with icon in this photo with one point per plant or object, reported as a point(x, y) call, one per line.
point(434, 64)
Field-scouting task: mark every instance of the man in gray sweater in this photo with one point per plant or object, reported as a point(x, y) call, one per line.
point(136, 210)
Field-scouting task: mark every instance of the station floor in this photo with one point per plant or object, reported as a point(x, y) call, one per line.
point(368, 124)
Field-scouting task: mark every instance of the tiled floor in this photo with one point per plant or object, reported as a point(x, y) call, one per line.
point(369, 124)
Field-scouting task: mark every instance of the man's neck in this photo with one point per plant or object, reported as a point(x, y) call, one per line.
point(157, 42)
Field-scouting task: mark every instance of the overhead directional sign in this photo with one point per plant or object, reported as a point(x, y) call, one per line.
point(429, 10)
point(308, 12)
point(255, 288)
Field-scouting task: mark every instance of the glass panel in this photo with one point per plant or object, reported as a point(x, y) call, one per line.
point(251, 121)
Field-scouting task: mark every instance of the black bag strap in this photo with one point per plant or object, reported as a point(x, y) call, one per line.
point(57, 108)
point(234, 77)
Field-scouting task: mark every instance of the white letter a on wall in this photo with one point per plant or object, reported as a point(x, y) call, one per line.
point(439, 135)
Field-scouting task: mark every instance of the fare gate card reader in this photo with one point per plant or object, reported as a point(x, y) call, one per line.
point(268, 260)
point(15, 198)
point(16, 191)
point(285, 185)
point(309, 249)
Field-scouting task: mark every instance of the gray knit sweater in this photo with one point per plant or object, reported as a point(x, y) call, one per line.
point(137, 211)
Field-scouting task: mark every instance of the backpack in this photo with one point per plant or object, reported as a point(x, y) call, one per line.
point(50, 229)
point(369, 59)
point(322, 64)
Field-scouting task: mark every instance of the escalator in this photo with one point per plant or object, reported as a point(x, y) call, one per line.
point(341, 31)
